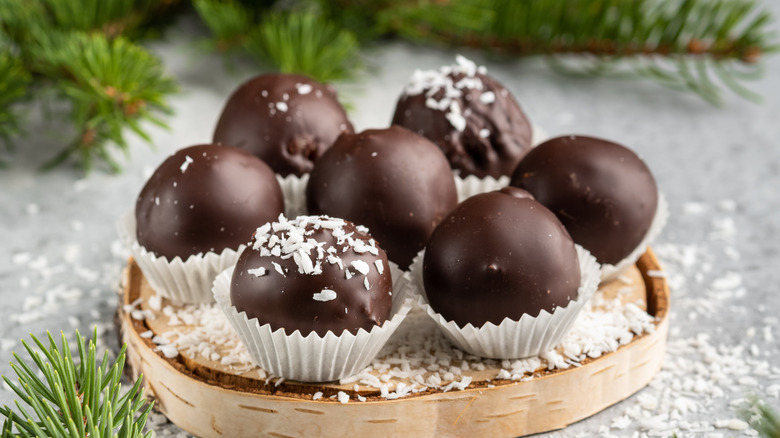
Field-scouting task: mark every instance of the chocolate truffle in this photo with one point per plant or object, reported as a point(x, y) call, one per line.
point(471, 117)
point(205, 198)
point(313, 273)
point(392, 180)
point(602, 192)
point(499, 255)
point(286, 120)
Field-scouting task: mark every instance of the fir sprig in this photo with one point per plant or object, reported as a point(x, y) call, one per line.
point(761, 417)
point(700, 46)
point(78, 49)
point(294, 41)
point(73, 399)
point(14, 81)
point(112, 86)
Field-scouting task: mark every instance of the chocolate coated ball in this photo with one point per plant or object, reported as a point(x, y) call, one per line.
point(313, 273)
point(602, 192)
point(205, 198)
point(286, 120)
point(497, 256)
point(393, 181)
point(471, 117)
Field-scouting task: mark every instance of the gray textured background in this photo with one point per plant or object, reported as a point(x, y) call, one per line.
point(719, 168)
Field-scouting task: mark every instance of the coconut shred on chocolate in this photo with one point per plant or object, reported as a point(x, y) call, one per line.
point(313, 273)
point(205, 198)
point(602, 192)
point(499, 255)
point(469, 115)
point(393, 181)
point(286, 120)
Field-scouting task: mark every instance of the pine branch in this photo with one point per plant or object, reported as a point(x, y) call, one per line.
point(72, 399)
point(14, 80)
point(112, 84)
point(689, 44)
point(297, 41)
point(761, 417)
point(302, 42)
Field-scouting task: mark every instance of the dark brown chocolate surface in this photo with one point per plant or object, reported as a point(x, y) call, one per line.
point(205, 198)
point(485, 135)
point(393, 181)
point(499, 256)
point(286, 120)
point(287, 301)
point(602, 192)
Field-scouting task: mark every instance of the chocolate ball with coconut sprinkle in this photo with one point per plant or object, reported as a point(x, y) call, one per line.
point(469, 115)
point(205, 198)
point(313, 274)
point(287, 120)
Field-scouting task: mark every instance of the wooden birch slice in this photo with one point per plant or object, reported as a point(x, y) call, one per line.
point(209, 399)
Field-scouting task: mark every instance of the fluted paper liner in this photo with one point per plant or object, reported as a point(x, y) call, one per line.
point(312, 358)
point(530, 336)
point(180, 281)
point(470, 185)
point(610, 272)
point(294, 192)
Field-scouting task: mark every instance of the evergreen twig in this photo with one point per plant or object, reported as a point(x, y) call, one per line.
point(73, 399)
point(14, 80)
point(683, 44)
point(761, 417)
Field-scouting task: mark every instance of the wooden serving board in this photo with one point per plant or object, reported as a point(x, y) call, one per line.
point(210, 400)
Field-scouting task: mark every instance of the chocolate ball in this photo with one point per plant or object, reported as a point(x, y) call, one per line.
point(392, 180)
point(286, 120)
point(205, 198)
point(496, 256)
point(471, 117)
point(313, 273)
point(602, 192)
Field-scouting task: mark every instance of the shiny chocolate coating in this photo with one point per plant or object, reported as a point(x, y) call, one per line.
point(602, 192)
point(482, 137)
point(287, 120)
point(205, 198)
point(497, 256)
point(392, 180)
point(287, 301)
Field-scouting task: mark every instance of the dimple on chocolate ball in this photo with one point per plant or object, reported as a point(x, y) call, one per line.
point(392, 180)
point(313, 273)
point(470, 116)
point(286, 120)
point(499, 255)
point(602, 192)
point(205, 198)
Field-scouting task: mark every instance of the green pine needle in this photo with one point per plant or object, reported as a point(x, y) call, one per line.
point(111, 84)
point(14, 81)
point(305, 43)
point(685, 44)
point(64, 398)
point(761, 417)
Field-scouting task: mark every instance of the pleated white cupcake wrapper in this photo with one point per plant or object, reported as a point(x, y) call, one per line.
point(469, 186)
point(312, 358)
point(610, 272)
point(294, 192)
point(182, 282)
point(530, 336)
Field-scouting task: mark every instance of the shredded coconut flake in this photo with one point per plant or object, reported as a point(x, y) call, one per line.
point(325, 295)
point(186, 163)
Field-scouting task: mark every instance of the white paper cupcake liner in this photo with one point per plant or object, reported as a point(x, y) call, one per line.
point(294, 192)
point(530, 336)
point(312, 358)
point(182, 282)
point(610, 272)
